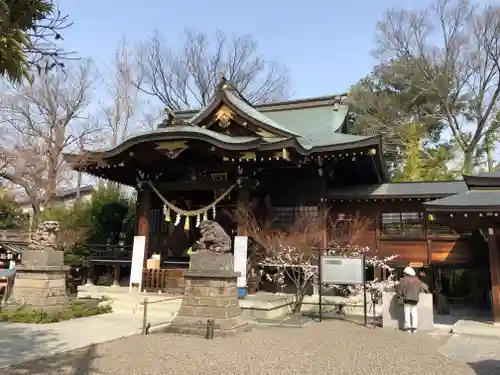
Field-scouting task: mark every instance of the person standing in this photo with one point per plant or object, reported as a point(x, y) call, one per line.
point(408, 291)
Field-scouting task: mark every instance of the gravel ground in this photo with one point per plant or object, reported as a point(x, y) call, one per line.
point(330, 347)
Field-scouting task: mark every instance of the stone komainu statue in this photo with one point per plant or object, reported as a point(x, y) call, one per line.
point(46, 236)
point(213, 238)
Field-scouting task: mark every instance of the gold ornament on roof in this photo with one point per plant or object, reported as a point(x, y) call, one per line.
point(224, 116)
point(172, 149)
point(264, 133)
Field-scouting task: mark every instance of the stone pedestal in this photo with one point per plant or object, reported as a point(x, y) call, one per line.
point(210, 293)
point(393, 314)
point(41, 286)
point(41, 279)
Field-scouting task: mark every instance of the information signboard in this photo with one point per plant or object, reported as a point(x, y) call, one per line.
point(339, 270)
point(137, 262)
point(240, 262)
point(342, 271)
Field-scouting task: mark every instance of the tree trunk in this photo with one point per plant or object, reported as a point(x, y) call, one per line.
point(37, 213)
point(489, 152)
point(78, 185)
point(489, 155)
point(468, 167)
point(299, 298)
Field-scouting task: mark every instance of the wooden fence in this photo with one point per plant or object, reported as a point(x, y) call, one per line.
point(166, 280)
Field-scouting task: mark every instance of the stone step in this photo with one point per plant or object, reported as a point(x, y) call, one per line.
point(126, 296)
point(163, 308)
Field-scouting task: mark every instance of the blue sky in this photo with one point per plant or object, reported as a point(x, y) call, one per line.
point(325, 44)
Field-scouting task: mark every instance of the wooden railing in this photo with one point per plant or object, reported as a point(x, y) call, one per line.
point(13, 235)
point(169, 281)
point(110, 253)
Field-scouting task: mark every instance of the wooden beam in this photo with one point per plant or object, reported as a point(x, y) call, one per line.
point(207, 185)
point(495, 273)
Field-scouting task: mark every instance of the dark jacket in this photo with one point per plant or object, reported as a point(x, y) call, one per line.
point(409, 289)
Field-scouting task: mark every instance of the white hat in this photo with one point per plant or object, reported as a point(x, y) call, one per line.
point(409, 271)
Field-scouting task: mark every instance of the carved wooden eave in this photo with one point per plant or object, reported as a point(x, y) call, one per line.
point(172, 148)
point(173, 142)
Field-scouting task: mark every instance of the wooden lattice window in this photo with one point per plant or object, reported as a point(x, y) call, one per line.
point(284, 217)
point(406, 224)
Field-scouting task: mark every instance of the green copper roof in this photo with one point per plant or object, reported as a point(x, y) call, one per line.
point(252, 112)
point(319, 139)
point(315, 122)
point(305, 121)
point(313, 126)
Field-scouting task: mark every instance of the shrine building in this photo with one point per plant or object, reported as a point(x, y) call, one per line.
point(292, 157)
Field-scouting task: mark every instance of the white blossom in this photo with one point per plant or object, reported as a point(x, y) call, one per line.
point(301, 267)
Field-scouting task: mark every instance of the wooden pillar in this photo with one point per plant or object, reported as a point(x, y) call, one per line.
point(143, 209)
point(428, 242)
point(90, 274)
point(378, 226)
point(324, 211)
point(116, 275)
point(495, 273)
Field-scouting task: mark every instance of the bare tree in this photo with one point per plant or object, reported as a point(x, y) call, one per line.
point(453, 51)
point(186, 77)
point(123, 94)
point(41, 121)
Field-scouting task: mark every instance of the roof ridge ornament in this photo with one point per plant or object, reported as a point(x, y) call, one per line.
point(223, 82)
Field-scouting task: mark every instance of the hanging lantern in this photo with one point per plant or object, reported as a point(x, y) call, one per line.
point(177, 219)
point(213, 212)
point(205, 216)
point(166, 212)
point(198, 220)
point(186, 223)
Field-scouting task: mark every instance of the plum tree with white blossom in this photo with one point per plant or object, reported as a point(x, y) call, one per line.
point(293, 252)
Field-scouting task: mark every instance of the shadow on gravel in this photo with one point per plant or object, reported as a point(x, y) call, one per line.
point(486, 367)
point(21, 343)
point(78, 362)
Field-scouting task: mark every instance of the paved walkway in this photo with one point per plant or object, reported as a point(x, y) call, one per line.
point(473, 349)
point(330, 347)
point(22, 342)
point(450, 354)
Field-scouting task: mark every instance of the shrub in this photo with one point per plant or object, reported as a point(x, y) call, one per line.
point(76, 309)
point(99, 220)
point(11, 216)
